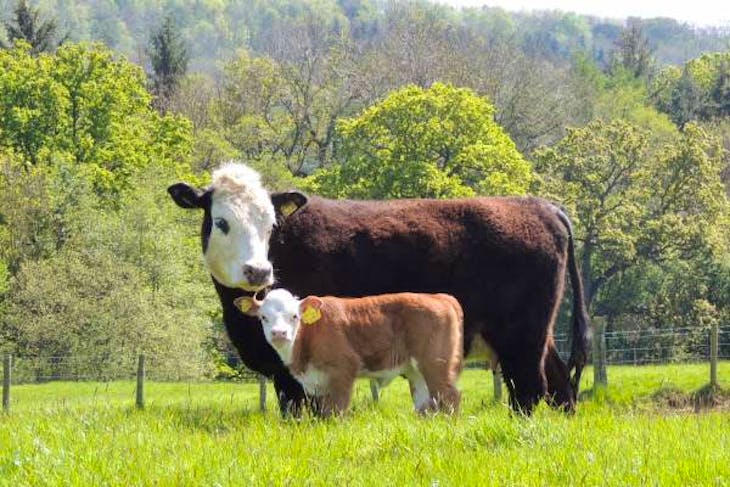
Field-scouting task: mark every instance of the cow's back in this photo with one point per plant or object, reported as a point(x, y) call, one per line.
point(487, 252)
point(383, 331)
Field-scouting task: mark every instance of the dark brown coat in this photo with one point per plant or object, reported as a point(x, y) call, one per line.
point(504, 259)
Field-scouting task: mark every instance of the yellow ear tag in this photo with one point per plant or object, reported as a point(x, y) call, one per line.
point(288, 208)
point(311, 315)
point(244, 304)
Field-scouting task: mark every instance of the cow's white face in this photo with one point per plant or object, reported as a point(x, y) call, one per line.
point(237, 247)
point(279, 315)
point(239, 216)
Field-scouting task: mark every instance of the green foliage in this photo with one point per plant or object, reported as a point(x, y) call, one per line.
point(28, 26)
point(439, 142)
point(93, 258)
point(633, 205)
point(698, 91)
point(84, 105)
point(169, 59)
point(632, 53)
point(120, 281)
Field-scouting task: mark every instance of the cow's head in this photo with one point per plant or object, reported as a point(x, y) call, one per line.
point(239, 216)
point(281, 315)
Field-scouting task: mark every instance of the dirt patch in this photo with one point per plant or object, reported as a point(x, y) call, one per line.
point(705, 399)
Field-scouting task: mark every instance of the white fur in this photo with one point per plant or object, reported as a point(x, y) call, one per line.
point(313, 381)
point(280, 311)
point(385, 376)
point(242, 201)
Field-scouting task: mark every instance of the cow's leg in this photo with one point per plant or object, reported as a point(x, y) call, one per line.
point(422, 400)
point(440, 377)
point(524, 374)
point(560, 393)
point(339, 392)
point(289, 393)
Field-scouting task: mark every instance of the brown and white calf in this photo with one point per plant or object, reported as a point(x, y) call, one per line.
point(328, 342)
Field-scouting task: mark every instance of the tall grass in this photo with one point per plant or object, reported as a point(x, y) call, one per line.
point(212, 434)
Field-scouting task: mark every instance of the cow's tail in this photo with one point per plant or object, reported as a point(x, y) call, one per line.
point(581, 332)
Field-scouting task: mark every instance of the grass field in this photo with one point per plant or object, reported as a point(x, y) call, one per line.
point(641, 431)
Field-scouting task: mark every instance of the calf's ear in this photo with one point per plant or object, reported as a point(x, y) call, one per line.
point(247, 305)
point(288, 203)
point(310, 309)
point(186, 196)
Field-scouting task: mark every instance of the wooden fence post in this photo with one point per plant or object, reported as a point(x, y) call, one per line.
point(140, 381)
point(262, 393)
point(7, 366)
point(600, 376)
point(497, 381)
point(714, 345)
point(374, 390)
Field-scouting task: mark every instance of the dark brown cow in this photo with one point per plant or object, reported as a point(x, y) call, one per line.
point(504, 259)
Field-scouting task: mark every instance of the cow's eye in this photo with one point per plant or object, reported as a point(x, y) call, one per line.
point(294, 317)
point(222, 225)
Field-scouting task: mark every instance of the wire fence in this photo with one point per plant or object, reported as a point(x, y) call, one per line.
point(657, 346)
point(621, 348)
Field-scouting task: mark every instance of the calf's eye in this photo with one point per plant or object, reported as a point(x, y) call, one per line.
point(222, 225)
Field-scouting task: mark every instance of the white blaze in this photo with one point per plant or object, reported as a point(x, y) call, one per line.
point(279, 313)
point(239, 200)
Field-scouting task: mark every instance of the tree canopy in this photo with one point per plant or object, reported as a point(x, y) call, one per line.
point(437, 142)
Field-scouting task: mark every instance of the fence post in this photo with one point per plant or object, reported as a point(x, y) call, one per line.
point(262, 393)
point(140, 381)
point(7, 365)
point(374, 391)
point(497, 381)
point(714, 345)
point(600, 376)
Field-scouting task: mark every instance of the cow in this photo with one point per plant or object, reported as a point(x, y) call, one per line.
point(327, 342)
point(504, 258)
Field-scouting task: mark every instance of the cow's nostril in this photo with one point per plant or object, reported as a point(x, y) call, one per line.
point(257, 274)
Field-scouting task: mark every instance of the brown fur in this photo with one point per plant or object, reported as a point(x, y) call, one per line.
point(360, 335)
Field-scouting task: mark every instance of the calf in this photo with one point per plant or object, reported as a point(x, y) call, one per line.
point(327, 342)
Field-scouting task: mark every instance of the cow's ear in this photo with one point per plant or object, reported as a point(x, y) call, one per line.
point(247, 305)
point(311, 310)
point(288, 203)
point(186, 196)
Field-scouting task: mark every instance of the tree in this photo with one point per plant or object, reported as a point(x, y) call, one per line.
point(699, 90)
point(437, 142)
point(632, 52)
point(169, 58)
point(632, 204)
point(28, 26)
point(84, 106)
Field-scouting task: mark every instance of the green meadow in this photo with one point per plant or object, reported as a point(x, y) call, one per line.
point(647, 428)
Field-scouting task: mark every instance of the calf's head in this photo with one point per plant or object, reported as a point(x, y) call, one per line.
point(238, 218)
point(281, 315)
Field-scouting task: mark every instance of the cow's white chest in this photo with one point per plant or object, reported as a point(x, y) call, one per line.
point(313, 381)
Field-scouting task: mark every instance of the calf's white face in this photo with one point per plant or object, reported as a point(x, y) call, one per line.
point(279, 315)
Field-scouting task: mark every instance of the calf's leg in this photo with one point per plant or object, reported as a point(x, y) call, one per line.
point(440, 376)
point(422, 400)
